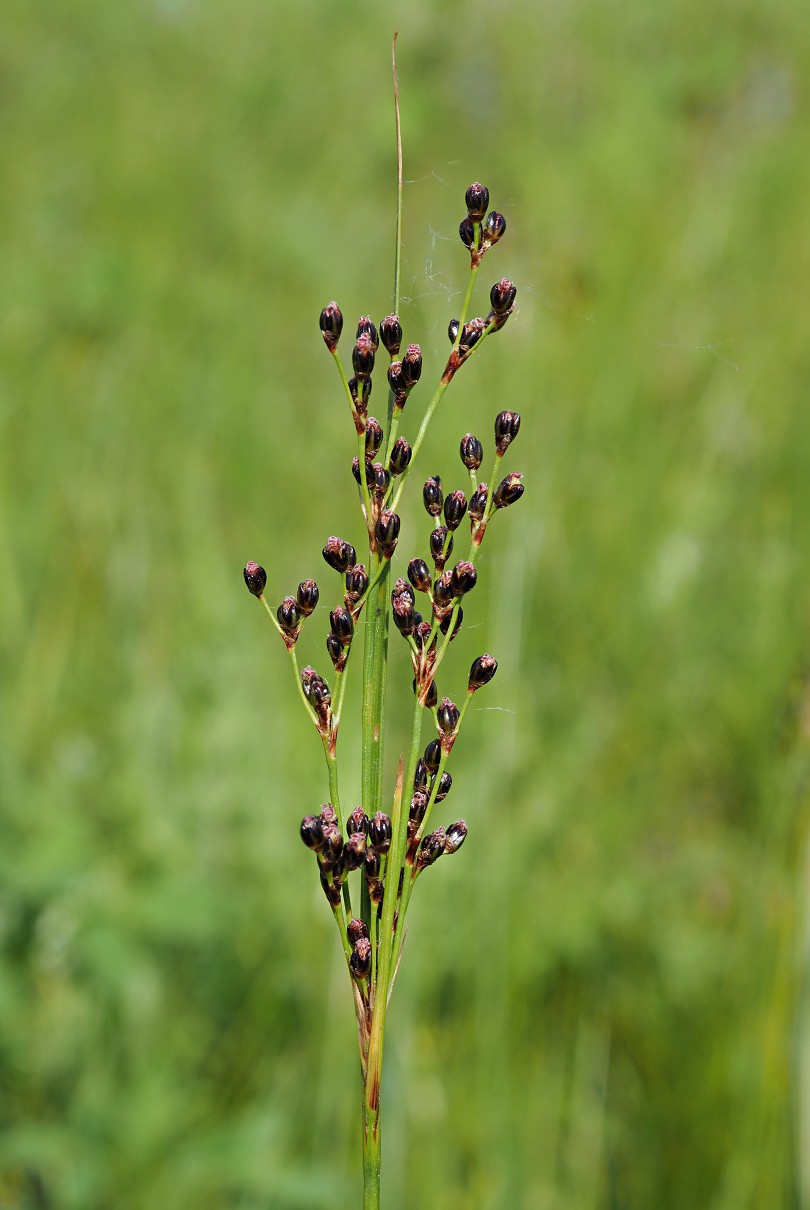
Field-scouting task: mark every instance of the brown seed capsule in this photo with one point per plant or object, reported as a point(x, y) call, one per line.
point(441, 545)
point(508, 491)
point(396, 382)
point(360, 960)
point(494, 227)
point(418, 806)
point(363, 356)
point(463, 578)
point(288, 615)
point(255, 578)
point(466, 231)
point(419, 575)
point(360, 391)
point(357, 821)
point(411, 366)
point(477, 199)
point(455, 506)
point(482, 671)
point(502, 296)
point(340, 621)
point(356, 929)
point(336, 652)
point(433, 755)
point(421, 775)
point(374, 436)
point(432, 495)
point(400, 456)
point(356, 581)
point(307, 597)
point(366, 328)
point(386, 531)
point(354, 851)
point(379, 832)
point(431, 848)
point(432, 694)
point(443, 592)
point(312, 832)
point(391, 334)
point(447, 717)
point(455, 836)
point(472, 452)
point(445, 782)
point(444, 625)
point(471, 333)
point(332, 850)
point(404, 616)
point(478, 502)
point(452, 330)
point(339, 554)
point(331, 323)
point(507, 426)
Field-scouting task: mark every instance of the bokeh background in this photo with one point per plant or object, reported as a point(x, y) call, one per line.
point(600, 1004)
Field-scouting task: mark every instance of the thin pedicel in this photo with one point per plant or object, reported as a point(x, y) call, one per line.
point(369, 858)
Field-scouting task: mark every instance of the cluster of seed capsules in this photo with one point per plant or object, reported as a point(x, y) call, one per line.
point(441, 583)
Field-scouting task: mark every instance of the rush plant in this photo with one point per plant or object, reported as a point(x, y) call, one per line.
point(369, 856)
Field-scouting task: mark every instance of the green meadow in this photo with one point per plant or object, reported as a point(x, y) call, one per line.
point(602, 1003)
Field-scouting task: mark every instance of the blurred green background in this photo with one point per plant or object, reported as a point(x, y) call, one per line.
point(600, 1004)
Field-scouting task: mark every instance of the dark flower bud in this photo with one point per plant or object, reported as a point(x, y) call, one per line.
point(374, 435)
point(502, 296)
point(363, 356)
point(472, 452)
point(366, 328)
point(391, 334)
point(431, 848)
point(411, 366)
point(307, 597)
point(452, 331)
point(396, 381)
point(455, 506)
point(402, 589)
point(494, 227)
point(354, 851)
point(332, 850)
point(404, 616)
point(379, 832)
point(356, 469)
point(445, 782)
point(418, 807)
point(466, 231)
point(312, 832)
point(360, 391)
point(421, 775)
point(432, 694)
point(339, 554)
point(433, 755)
point(356, 929)
point(380, 478)
point(447, 716)
point(331, 322)
point(371, 864)
point(328, 813)
point(336, 653)
point(463, 578)
point(400, 456)
point(342, 625)
point(288, 615)
point(477, 199)
point(386, 531)
point(444, 625)
point(508, 491)
point(443, 590)
point(478, 502)
point(507, 426)
point(255, 578)
point(455, 836)
point(360, 960)
point(419, 575)
point(356, 581)
point(441, 545)
point(357, 821)
point(422, 633)
point(471, 333)
point(319, 693)
point(482, 671)
point(432, 495)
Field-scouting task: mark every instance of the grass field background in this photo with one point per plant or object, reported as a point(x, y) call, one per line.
point(600, 1005)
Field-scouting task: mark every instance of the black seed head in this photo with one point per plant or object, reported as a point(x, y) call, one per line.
point(466, 231)
point(433, 755)
point(441, 545)
point(455, 836)
point(354, 850)
point(432, 495)
point(404, 616)
point(472, 452)
point(494, 227)
point(502, 296)
point(356, 581)
point(312, 832)
point(328, 813)
point(447, 716)
point(356, 929)
point(336, 653)
point(445, 782)
point(418, 807)
point(463, 578)
point(471, 334)
point(288, 615)
point(400, 456)
point(455, 506)
point(360, 960)
point(508, 491)
point(482, 671)
point(419, 575)
point(411, 366)
point(477, 199)
point(391, 334)
point(307, 597)
point(363, 356)
point(423, 630)
point(386, 531)
point(379, 833)
point(374, 435)
point(332, 851)
point(432, 694)
point(396, 382)
point(366, 328)
point(444, 625)
point(331, 322)
point(360, 390)
point(431, 848)
point(452, 330)
point(443, 593)
point(340, 620)
point(507, 426)
point(255, 578)
point(421, 775)
point(339, 554)
point(478, 502)
point(357, 821)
